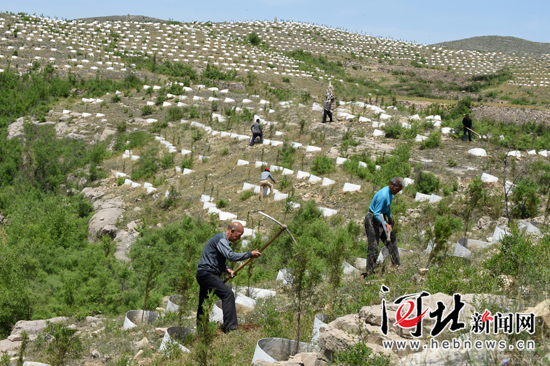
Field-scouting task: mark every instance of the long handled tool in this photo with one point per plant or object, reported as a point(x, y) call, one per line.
point(472, 131)
point(388, 240)
point(283, 228)
point(481, 137)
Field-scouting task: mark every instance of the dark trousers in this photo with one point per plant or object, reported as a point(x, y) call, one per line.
point(325, 114)
point(469, 134)
point(210, 281)
point(254, 135)
point(375, 232)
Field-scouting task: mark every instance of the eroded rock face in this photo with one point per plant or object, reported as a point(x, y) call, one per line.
point(511, 115)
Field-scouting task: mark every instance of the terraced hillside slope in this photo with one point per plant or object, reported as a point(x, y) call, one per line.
point(498, 44)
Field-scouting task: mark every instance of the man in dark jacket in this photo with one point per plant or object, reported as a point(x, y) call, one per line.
point(212, 265)
point(256, 132)
point(467, 124)
point(327, 109)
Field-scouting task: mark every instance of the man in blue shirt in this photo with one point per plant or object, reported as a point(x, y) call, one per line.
point(378, 223)
point(212, 265)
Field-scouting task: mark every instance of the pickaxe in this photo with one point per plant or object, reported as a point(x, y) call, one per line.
point(481, 137)
point(283, 228)
point(388, 239)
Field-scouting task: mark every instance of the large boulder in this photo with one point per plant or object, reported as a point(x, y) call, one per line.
point(105, 203)
point(7, 345)
point(32, 327)
point(542, 315)
point(441, 357)
point(301, 359)
point(15, 129)
point(344, 332)
point(103, 218)
point(107, 132)
point(124, 241)
point(93, 194)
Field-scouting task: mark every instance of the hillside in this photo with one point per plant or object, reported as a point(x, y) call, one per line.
point(122, 18)
point(125, 146)
point(513, 45)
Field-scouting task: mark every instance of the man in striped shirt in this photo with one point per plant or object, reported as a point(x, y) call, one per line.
point(264, 182)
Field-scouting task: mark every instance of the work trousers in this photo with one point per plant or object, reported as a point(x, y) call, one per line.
point(325, 114)
point(469, 134)
point(254, 135)
point(375, 232)
point(209, 281)
point(265, 183)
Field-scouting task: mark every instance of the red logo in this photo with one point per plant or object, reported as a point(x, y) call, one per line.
point(402, 321)
point(486, 316)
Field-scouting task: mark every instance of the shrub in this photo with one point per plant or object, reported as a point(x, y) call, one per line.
point(121, 127)
point(286, 80)
point(197, 135)
point(356, 355)
point(444, 227)
point(444, 278)
point(187, 162)
point(517, 256)
point(426, 182)
point(225, 151)
point(212, 72)
point(221, 203)
point(115, 99)
point(285, 183)
point(173, 196)
point(302, 126)
point(174, 114)
point(247, 194)
point(147, 110)
point(167, 160)
point(146, 165)
point(432, 142)
point(254, 39)
point(63, 344)
point(352, 165)
point(393, 130)
point(288, 153)
point(160, 99)
point(323, 165)
point(525, 199)
point(194, 112)
point(396, 164)
point(156, 127)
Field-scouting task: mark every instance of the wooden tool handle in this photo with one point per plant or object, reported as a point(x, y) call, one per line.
point(283, 228)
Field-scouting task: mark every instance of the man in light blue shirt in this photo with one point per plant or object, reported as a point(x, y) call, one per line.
point(379, 224)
